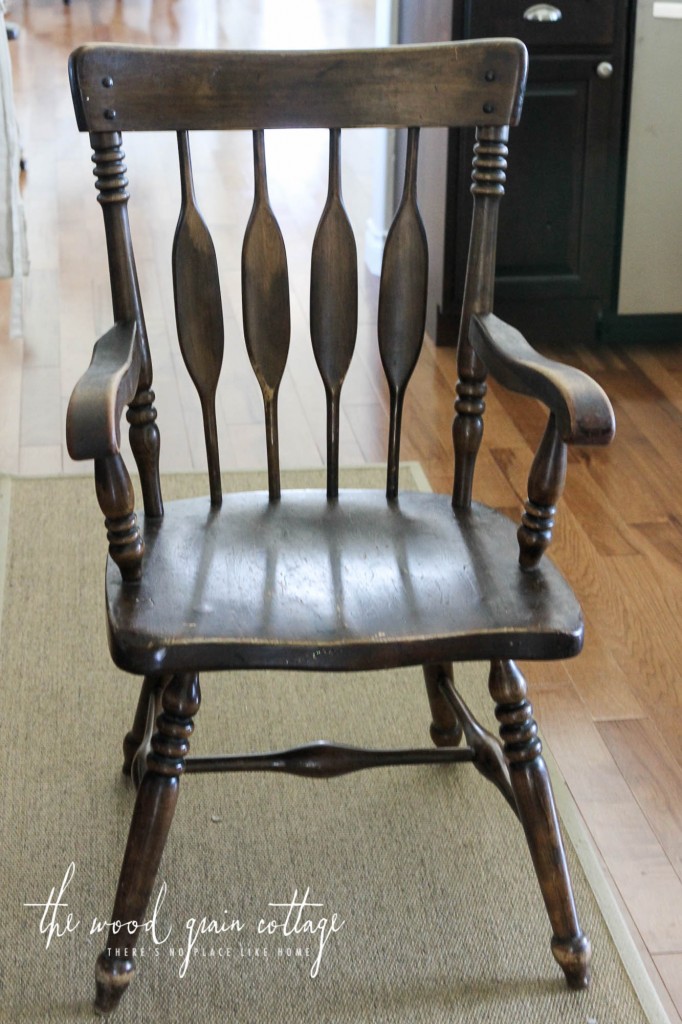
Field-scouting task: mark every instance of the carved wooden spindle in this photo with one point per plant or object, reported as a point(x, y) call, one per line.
point(117, 501)
point(333, 303)
point(154, 808)
point(545, 486)
point(265, 305)
point(535, 802)
point(112, 186)
point(488, 178)
point(402, 302)
point(324, 760)
point(198, 309)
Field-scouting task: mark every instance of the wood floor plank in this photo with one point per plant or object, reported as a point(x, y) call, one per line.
point(636, 860)
point(654, 777)
point(669, 966)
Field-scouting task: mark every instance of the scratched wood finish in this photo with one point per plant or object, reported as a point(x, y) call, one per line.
point(324, 760)
point(356, 582)
point(265, 305)
point(630, 493)
point(151, 89)
point(532, 789)
point(582, 411)
point(402, 303)
point(334, 303)
point(112, 188)
point(198, 309)
point(488, 178)
point(344, 560)
point(152, 817)
point(93, 428)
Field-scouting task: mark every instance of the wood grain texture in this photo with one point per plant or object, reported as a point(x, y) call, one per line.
point(626, 493)
point(533, 789)
point(333, 303)
point(287, 608)
point(112, 187)
point(402, 303)
point(462, 83)
point(582, 410)
point(324, 760)
point(93, 423)
point(639, 866)
point(198, 309)
point(670, 967)
point(152, 817)
point(487, 187)
point(265, 304)
point(654, 777)
point(545, 487)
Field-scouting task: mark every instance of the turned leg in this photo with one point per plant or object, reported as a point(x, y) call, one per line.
point(535, 801)
point(148, 708)
point(154, 807)
point(445, 728)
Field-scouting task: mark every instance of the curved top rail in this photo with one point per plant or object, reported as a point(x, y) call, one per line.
point(137, 88)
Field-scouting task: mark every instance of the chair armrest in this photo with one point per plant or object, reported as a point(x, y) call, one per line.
point(93, 419)
point(582, 411)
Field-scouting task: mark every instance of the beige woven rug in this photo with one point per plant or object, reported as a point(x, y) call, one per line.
point(421, 874)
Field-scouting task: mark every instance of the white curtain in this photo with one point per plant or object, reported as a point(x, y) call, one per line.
point(13, 248)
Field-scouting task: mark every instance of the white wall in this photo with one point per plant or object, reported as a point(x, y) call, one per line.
point(651, 262)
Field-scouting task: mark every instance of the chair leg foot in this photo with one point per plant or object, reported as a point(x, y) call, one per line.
point(112, 977)
point(535, 802)
point(574, 959)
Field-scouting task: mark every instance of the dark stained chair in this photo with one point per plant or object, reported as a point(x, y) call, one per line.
point(337, 580)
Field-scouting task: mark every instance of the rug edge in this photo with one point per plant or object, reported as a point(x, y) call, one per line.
point(5, 511)
point(570, 817)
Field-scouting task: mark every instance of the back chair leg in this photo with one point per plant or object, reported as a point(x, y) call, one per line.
point(446, 730)
point(148, 707)
point(154, 808)
point(535, 801)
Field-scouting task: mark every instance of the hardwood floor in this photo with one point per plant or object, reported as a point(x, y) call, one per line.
point(612, 718)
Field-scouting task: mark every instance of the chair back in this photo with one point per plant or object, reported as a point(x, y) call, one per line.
point(475, 84)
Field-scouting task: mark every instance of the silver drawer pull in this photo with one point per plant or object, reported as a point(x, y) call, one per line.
point(604, 70)
point(542, 12)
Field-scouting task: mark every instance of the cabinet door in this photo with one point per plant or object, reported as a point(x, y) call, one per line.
point(557, 241)
point(558, 219)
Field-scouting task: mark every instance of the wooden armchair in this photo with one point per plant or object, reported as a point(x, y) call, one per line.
point(336, 580)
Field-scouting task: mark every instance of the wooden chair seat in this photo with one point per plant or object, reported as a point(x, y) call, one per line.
point(312, 583)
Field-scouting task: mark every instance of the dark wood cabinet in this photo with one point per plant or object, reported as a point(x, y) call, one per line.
point(559, 228)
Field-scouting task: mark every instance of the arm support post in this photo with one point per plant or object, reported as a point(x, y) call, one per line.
point(579, 413)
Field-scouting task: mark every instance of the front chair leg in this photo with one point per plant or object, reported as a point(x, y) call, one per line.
point(154, 808)
point(535, 801)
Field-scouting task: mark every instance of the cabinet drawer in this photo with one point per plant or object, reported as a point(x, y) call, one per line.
point(584, 23)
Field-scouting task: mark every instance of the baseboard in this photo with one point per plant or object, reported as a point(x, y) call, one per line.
point(662, 328)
